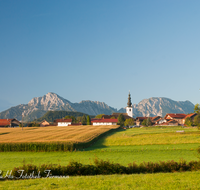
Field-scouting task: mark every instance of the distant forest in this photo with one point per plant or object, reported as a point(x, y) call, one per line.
point(50, 116)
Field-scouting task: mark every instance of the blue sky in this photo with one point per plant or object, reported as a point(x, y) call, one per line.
point(99, 50)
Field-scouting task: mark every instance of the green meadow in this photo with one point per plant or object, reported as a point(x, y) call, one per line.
point(163, 181)
point(125, 146)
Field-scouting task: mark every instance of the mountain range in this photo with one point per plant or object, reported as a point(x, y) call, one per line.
point(38, 106)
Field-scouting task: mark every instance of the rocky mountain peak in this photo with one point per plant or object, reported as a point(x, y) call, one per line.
point(154, 106)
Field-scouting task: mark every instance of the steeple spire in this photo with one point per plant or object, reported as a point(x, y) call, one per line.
point(129, 104)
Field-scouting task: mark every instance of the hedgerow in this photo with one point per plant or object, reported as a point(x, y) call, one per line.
point(101, 167)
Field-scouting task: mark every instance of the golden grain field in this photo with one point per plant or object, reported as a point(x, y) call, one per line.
point(75, 134)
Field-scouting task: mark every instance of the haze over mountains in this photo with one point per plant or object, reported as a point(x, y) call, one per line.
point(38, 106)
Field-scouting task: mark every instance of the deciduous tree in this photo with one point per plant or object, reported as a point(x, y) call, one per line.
point(197, 120)
point(121, 120)
point(99, 116)
point(188, 121)
point(129, 122)
point(147, 122)
point(197, 108)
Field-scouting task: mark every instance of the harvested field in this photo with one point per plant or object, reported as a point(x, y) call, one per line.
point(73, 134)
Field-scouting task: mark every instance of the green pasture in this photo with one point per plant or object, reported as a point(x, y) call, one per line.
point(123, 147)
point(151, 136)
point(185, 180)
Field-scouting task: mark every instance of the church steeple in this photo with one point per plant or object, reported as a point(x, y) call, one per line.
point(129, 108)
point(129, 104)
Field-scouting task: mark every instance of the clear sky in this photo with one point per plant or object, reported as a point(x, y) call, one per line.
point(99, 50)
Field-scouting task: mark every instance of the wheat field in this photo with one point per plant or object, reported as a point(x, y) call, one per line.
point(74, 134)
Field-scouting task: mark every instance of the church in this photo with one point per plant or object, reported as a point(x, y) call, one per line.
point(127, 115)
point(112, 119)
point(129, 108)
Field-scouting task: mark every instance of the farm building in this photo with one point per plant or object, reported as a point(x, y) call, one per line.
point(63, 122)
point(160, 121)
point(179, 117)
point(104, 121)
point(9, 123)
point(192, 115)
point(44, 123)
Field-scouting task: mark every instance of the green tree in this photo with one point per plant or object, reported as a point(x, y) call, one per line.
point(144, 122)
point(188, 121)
point(113, 117)
point(121, 120)
point(74, 120)
point(129, 122)
point(84, 120)
point(88, 120)
point(197, 108)
point(197, 120)
point(147, 122)
point(99, 116)
point(79, 119)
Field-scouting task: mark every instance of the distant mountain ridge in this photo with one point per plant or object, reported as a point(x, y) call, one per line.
point(38, 106)
point(160, 107)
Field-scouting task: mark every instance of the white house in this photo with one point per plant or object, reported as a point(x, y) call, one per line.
point(63, 122)
point(104, 122)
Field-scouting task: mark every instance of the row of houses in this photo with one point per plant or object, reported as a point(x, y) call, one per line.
point(171, 119)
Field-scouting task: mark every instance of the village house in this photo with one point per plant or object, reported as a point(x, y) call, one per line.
point(139, 120)
point(155, 119)
point(44, 123)
point(179, 117)
point(63, 122)
point(192, 116)
point(9, 123)
point(116, 115)
point(104, 121)
point(171, 122)
point(160, 121)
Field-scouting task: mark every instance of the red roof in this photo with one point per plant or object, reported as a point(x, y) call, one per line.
point(172, 121)
point(63, 120)
point(155, 118)
point(141, 118)
point(190, 115)
point(4, 122)
point(176, 115)
point(105, 121)
point(159, 119)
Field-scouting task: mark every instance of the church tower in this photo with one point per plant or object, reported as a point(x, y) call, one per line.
point(129, 108)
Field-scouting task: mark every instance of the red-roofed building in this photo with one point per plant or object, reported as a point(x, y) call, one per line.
point(176, 116)
point(192, 115)
point(160, 121)
point(9, 123)
point(139, 120)
point(44, 123)
point(63, 122)
point(171, 122)
point(104, 121)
